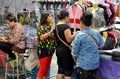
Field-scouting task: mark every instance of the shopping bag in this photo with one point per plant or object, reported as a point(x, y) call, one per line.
point(32, 61)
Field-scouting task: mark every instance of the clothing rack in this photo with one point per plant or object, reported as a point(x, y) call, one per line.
point(55, 4)
point(55, 1)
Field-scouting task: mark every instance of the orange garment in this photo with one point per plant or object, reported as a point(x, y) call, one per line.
point(118, 10)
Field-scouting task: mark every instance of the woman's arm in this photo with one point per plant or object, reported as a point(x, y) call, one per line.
point(44, 36)
point(69, 37)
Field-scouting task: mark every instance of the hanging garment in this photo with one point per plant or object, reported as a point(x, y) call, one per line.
point(98, 18)
point(105, 11)
point(67, 6)
point(75, 13)
point(101, 1)
point(108, 9)
point(116, 34)
point(118, 10)
point(113, 11)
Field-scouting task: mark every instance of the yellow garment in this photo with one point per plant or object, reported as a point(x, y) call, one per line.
point(95, 28)
point(95, 7)
point(21, 20)
point(52, 24)
point(104, 36)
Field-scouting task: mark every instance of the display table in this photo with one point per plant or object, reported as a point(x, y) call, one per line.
point(108, 69)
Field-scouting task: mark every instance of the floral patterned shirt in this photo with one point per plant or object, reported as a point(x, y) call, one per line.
point(17, 36)
point(50, 42)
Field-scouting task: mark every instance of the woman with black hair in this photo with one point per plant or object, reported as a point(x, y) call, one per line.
point(85, 48)
point(15, 38)
point(46, 44)
point(63, 53)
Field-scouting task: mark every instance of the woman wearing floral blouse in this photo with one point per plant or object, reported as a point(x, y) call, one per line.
point(46, 43)
point(15, 38)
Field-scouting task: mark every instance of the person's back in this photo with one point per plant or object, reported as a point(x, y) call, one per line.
point(88, 49)
point(85, 48)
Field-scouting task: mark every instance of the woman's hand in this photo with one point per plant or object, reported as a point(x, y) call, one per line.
point(74, 58)
point(2, 39)
point(76, 32)
point(44, 36)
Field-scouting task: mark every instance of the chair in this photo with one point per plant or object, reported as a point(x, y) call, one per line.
point(18, 69)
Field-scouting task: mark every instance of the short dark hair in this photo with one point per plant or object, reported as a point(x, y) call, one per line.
point(86, 18)
point(62, 14)
point(44, 16)
point(11, 17)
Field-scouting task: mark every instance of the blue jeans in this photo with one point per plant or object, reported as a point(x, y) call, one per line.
point(34, 72)
point(75, 75)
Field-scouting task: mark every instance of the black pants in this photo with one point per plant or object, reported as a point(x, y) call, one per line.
point(6, 47)
point(86, 74)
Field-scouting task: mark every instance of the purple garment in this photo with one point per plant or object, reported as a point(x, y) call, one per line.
point(113, 10)
point(107, 9)
point(108, 69)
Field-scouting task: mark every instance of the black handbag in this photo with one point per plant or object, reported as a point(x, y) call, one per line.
point(116, 56)
point(86, 74)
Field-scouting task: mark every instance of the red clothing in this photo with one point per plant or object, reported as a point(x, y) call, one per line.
point(75, 13)
point(44, 66)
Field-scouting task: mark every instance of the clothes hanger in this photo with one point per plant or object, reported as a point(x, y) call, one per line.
point(77, 3)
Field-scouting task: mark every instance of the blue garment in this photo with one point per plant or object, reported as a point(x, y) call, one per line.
point(75, 74)
point(86, 49)
point(33, 74)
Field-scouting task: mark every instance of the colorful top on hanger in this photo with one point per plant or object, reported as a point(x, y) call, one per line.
point(118, 10)
point(50, 42)
point(75, 12)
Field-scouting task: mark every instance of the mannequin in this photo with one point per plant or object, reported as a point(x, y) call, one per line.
point(98, 16)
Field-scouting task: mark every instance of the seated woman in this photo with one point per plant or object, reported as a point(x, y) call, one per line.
point(15, 38)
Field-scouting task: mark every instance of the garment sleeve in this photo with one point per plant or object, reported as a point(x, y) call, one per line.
point(40, 31)
point(76, 46)
point(66, 27)
point(16, 36)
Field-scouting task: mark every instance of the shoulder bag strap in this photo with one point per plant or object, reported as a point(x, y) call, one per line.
point(93, 38)
point(60, 38)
